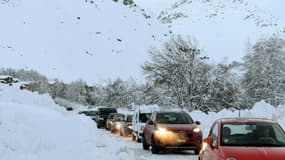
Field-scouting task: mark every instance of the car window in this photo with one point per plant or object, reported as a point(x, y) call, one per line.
point(252, 134)
point(174, 118)
point(129, 118)
point(107, 110)
point(111, 116)
point(143, 117)
point(214, 134)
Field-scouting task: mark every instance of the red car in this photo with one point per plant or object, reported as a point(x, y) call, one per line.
point(244, 139)
point(172, 130)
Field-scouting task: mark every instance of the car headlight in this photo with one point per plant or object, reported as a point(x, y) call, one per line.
point(161, 130)
point(231, 158)
point(196, 130)
point(118, 126)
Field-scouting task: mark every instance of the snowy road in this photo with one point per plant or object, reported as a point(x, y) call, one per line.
point(135, 149)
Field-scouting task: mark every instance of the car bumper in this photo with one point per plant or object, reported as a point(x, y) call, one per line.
point(177, 141)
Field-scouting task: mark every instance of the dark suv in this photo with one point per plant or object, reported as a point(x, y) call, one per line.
point(172, 130)
point(102, 115)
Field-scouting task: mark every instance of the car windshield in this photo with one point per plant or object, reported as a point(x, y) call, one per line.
point(144, 117)
point(118, 118)
point(252, 134)
point(111, 116)
point(174, 118)
point(129, 118)
point(105, 111)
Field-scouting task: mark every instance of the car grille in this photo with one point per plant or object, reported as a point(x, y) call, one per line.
point(184, 135)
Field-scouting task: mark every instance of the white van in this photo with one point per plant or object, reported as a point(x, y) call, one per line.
point(141, 115)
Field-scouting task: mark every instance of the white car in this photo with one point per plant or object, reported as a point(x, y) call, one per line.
point(141, 115)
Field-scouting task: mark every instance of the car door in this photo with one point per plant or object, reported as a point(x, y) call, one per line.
point(212, 153)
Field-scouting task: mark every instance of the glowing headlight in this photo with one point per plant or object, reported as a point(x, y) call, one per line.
point(130, 127)
point(231, 158)
point(196, 130)
point(162, 130)
point(118, 126)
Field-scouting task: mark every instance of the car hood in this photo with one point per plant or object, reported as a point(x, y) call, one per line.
point(179, 127)
point(246, 153)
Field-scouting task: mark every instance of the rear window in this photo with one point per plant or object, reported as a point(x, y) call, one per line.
point(107, 110)
point(129, 118)
point(144, 117)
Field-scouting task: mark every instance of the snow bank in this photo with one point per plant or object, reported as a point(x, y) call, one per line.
point(259, 110)
point(32, 127)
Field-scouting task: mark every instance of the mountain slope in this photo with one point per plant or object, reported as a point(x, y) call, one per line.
point(92, 40)
point(223, 27)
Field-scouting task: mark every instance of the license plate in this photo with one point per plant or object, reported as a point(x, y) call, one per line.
point(181, 140)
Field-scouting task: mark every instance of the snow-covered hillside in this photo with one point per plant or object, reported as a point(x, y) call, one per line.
point(68, 40)
point(32, 127)
point(223, 27)
point(98, 40)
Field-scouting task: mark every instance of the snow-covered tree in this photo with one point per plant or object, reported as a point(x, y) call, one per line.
point(264, 77)
point(57, 89)
point(76, 91)
point(181, 70)
point(224, 88)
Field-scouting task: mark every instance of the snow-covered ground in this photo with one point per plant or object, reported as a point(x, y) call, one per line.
point(32, 127)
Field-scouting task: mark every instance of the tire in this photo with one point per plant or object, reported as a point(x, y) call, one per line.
point(196, 151)
point(154, 147)
point(145, 145)
point(133, 137)
point(98, 126)
point(139, 140)
point(112, 130)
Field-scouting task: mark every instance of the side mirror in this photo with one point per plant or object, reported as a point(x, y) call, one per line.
point(198, 122)
point(209, 141)
point(150, 122)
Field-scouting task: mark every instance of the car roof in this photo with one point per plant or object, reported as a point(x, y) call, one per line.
point(170, 111)
point(232, 120)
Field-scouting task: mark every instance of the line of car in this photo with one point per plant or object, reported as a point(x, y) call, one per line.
point(160, 130)
point(228, 138)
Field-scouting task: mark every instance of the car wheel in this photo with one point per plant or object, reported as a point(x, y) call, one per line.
point(154, 147)
point(139, 140)
point(196, 151)
point(145, 145)
point(112, 130)
point(98, 126)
